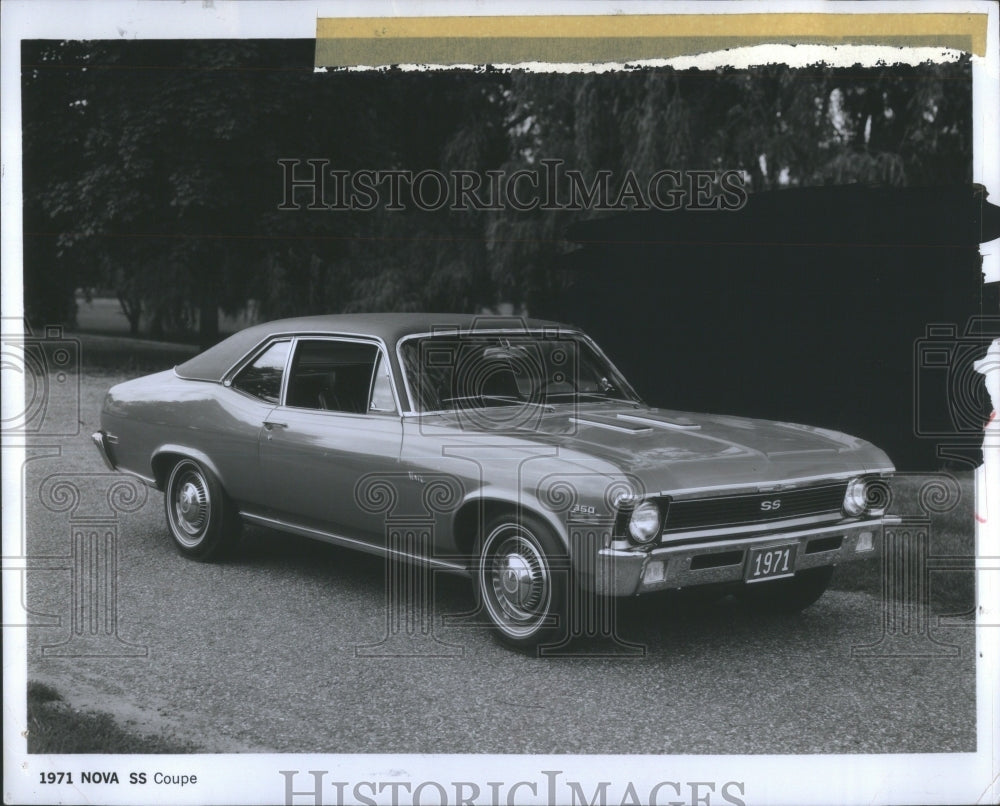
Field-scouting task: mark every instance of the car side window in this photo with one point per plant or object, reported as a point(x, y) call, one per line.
point(334, 375)
point(262, 378)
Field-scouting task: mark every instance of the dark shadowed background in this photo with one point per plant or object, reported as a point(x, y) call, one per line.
point(151, 178)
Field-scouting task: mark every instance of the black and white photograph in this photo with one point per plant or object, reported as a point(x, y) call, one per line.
point(491, 404)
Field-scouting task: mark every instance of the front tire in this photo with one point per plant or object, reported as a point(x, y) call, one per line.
point(789, 595)
point(202, 520)
point(521, 578)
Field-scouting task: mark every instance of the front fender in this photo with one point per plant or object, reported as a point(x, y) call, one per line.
point(497, 496)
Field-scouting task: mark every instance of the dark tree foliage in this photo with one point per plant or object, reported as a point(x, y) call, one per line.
point(388, 259)
point(151, 168)
point(893, 125)
point(53, 134)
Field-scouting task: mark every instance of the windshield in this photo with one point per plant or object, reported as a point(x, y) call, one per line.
point(508, 369)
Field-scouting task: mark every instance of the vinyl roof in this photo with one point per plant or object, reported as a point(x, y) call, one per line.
point(213, 363)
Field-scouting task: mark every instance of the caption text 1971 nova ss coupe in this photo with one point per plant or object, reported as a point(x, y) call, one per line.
point(509, 450)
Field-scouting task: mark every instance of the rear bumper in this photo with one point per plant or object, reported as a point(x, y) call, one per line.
point(103, 443)
point(627, 573)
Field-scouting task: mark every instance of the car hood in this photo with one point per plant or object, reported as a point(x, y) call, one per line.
point(671, 450)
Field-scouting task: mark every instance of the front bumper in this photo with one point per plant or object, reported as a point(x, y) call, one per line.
point(626, 572)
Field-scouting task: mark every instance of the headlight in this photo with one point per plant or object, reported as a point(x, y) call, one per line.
point(856, 497)
point(644, 525)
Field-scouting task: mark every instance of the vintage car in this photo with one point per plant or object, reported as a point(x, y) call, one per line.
point(509, 450)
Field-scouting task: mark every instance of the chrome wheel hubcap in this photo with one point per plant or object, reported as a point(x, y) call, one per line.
point(191, 507)
point(515, 580)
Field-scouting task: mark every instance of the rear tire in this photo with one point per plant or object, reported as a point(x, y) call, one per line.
point(202, 520)
point(521, 580)
point(790, 595)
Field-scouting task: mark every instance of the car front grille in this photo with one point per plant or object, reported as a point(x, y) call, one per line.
point(753, 508)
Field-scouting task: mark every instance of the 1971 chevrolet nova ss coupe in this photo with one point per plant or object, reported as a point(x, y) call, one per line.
point(509, 450)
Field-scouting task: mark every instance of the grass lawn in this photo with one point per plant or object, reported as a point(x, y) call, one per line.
point(128, 357)
point(104, 315)
point(951, 534)
point(56, 727)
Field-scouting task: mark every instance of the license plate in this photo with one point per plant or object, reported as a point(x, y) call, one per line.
point(771, 563)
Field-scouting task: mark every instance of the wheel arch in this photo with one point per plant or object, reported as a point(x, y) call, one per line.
point(479, 508)
point(166, 456)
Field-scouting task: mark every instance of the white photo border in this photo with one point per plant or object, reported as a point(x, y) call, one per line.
point(256, 778)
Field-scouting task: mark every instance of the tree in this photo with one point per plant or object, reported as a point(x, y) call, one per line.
point(779, 127)
point(53, 132)
point(171, 192)
point(152, 167)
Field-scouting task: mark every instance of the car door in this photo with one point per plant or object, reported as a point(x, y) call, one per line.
point(338, 422)
point(233, 437)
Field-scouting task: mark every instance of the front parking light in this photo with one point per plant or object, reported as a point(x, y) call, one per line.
point(654, 572)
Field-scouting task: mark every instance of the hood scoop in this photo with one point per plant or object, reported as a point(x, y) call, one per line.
point(622, 426)
point(801, 451)
point(663, 421)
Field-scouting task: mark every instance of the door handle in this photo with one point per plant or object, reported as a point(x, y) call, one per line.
point(270, 426)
